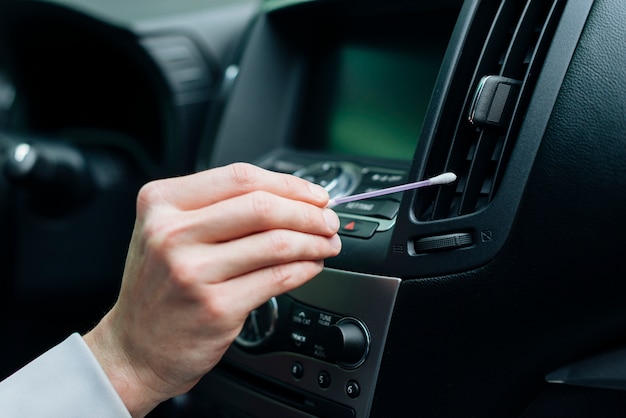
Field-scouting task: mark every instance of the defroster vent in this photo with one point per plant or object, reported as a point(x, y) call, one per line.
point(490, 91)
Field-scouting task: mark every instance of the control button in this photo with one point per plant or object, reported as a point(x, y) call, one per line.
point(323, 379)
point(302, 316)
point(319, 351)
point(386, 209)
point(299, 340)
point(325, 319)
point(297, 370)
point(357, 228)
point(383, 178)
point(347, 343)
point(353, 390)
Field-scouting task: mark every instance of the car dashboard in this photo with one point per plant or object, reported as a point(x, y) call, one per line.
point(499, 295)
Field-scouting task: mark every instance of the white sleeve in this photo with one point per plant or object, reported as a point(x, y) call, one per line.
point(67, 381)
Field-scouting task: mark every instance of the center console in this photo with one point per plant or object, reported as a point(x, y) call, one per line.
point(358, 96)
point(339, 96)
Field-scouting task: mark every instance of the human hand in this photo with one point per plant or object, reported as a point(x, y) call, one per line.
point(206, 250)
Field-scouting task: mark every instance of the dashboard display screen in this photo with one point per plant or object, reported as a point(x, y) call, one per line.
point(369, 98)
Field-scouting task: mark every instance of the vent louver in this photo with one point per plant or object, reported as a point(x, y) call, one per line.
point(513, 40)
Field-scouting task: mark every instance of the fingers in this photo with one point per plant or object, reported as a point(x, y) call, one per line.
point(216, 263)
point(256, 212)
point(240, 235)
point(206, 250)
point(226, 223)
point(238, 297)
point(208, 187)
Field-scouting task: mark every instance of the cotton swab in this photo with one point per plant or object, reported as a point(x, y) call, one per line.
point(441, 179)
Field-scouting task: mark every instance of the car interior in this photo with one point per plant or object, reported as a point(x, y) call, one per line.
point(501, 294)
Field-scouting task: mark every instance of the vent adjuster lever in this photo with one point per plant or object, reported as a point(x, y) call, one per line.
point(494, 101)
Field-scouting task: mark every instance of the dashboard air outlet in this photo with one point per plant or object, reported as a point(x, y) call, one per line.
point(488, 97)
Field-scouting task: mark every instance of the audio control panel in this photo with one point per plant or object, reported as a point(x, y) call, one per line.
point(283, 324)
point(315, 351)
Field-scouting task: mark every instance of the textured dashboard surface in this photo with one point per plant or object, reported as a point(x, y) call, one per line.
point(480, 343)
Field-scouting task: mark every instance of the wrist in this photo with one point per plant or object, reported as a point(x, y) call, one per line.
point(121, 371)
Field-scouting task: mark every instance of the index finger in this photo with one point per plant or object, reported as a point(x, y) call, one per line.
point(204, 188)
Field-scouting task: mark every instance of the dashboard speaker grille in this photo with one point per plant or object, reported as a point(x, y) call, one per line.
point(513, 37)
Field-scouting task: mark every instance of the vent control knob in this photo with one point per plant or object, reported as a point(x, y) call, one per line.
point(494, 101)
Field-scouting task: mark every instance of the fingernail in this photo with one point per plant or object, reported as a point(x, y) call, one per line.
point(332, 220)
point(335, 242)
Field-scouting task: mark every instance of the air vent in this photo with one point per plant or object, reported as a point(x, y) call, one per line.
point(184, 65)
point(487, 102)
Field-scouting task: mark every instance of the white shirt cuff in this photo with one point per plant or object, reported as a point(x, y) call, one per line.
point(66, 381)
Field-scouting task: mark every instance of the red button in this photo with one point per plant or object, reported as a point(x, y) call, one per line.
point(357, 228)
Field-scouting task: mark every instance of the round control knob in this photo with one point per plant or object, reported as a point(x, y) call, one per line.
point(348, 343)
point(339, 178)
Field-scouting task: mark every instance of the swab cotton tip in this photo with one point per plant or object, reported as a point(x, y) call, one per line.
point(444, 178)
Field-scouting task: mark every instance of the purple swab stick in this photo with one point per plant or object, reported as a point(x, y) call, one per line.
point(444, 178)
